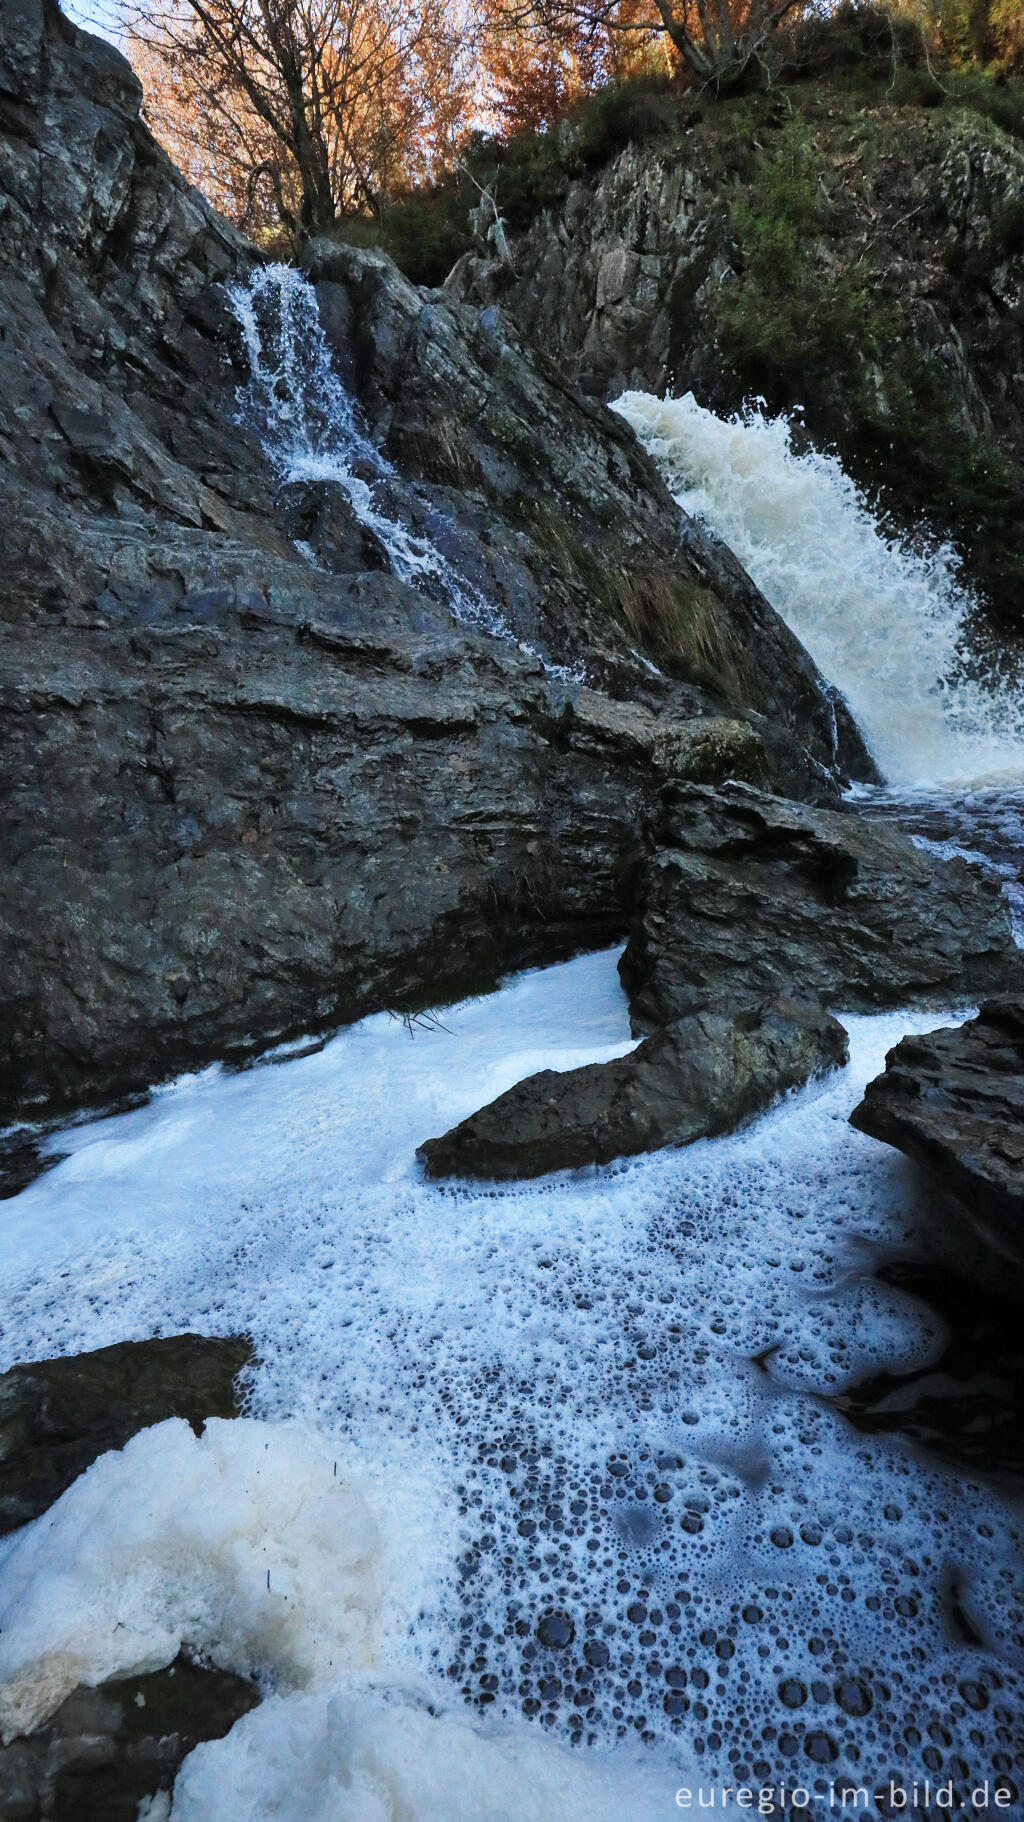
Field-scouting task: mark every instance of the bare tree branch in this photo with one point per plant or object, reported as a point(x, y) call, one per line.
point(308, 108)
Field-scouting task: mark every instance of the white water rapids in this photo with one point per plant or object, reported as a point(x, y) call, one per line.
point(525, 1466)
point(884, 621)
point(543, 1508)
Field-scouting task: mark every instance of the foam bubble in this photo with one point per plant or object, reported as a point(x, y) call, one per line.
point(649, 1521)
point(884, 621)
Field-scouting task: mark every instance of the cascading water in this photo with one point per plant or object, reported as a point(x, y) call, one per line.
point(560, 1462)
point(884, 622)
point(311, 431)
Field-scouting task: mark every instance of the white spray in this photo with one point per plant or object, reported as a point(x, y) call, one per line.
point(883, 621)
point(310, 429)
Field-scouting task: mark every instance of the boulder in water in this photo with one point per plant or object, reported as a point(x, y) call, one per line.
point(57, 1416)
point(691, 1080)
point(108, 1749)
point(770, 896)
point(953, 1100)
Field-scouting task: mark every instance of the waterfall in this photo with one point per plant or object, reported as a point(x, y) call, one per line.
point(884, 621)
point(311, 430)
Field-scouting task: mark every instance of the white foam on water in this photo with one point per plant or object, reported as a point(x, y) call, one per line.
point(245, 1544)
point(883, 621)
point(365, 1755)
point(597, 1405)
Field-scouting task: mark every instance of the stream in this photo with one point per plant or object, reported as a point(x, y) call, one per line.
point(705, 1464)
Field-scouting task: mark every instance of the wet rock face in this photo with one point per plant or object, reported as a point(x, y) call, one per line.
point(953, 1100)
point(246, 797)
point(253, 834)
point(57, 1416)
point(774, 896)
point(624, 280)
point(108, 1749)
point(554, 511)
point(696, 1078)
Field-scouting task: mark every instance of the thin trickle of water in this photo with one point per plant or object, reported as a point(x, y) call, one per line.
point(311, 430)
point(883, 621)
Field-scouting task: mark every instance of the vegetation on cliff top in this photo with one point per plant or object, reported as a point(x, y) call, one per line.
point(868, 197)
point(863, 60)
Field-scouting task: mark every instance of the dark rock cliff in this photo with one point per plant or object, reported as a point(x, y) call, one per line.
point(244, 795)
point(848, 244)
point(247, 794)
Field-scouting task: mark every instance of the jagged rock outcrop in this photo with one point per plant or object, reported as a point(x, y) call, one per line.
point(693, 1079)
point(246, 796)
point(624, 275)
point(779, 897)
point(953, 1100)
point(846, 245)
point(110, 1748)
point(57, 1416)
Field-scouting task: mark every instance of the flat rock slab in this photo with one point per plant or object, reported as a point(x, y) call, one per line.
point(108, 1748)
point(57, 1416)
point(698, 1077)
point(770, 897)
point(953, 1100)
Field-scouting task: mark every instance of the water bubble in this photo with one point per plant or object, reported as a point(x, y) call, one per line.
point(556, 1631)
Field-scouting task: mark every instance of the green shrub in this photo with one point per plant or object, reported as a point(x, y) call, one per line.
point(790, 317)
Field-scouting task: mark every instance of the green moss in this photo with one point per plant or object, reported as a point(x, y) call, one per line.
point(803, 323)
point(857, 105)
point(794, 315)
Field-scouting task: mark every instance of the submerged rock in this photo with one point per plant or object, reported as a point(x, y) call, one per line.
point(22, 1160)
point(953, 1100)
point(780, 897)
point(965, 1405)
point(108, 1749)
point(57, 1416)
point(693, 1079)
